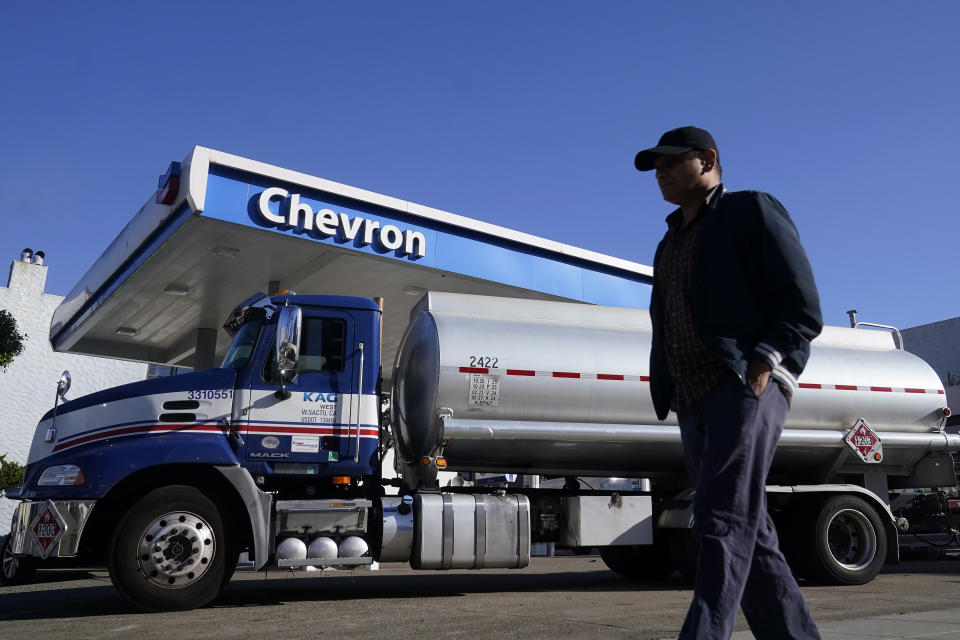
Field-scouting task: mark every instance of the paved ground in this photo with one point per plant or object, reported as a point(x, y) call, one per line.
point(562, 597)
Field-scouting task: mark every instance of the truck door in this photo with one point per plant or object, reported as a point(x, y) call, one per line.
point(311, 432)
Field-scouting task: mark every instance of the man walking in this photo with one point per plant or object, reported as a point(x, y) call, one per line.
point(734, 307)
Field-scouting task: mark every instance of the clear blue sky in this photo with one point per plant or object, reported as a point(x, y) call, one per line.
point(522, 114)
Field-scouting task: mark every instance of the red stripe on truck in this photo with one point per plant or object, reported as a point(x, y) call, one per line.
point(622, 377)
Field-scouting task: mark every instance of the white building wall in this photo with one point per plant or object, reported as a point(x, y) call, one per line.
point(29, 384)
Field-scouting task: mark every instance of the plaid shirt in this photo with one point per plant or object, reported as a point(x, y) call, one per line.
point(694, 369)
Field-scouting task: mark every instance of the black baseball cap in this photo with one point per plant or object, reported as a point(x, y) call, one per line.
point(676, 141)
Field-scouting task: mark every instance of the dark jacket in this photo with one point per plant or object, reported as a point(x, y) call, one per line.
point(753, 292)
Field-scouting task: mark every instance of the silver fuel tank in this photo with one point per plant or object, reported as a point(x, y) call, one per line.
point(503, 384)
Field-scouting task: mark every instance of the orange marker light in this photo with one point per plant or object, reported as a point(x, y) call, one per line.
point(877, 457)
point(441, 463)
point(425, 461)
point(340, 480)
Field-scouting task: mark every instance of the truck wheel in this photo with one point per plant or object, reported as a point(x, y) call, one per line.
point(230, 564)
point(169, 550)
point(684, 549)
point(14, 570)
point(648, 562)
point(848, 545)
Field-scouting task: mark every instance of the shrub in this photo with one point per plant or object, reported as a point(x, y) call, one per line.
point(11, 340)
point(11, 473)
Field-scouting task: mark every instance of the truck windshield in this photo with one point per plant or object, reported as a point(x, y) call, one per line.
point(244, 342)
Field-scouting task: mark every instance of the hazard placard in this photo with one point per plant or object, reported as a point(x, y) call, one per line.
point(48, 528)
point(865, 442)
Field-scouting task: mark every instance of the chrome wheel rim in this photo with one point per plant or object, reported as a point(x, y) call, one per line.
point(10, 565)
point(852, 539)
point(176, 549)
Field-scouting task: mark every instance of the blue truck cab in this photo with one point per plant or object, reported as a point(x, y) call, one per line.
point(167, 480)
point(320, 417)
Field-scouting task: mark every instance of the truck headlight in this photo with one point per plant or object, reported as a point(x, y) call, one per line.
point(61, 475)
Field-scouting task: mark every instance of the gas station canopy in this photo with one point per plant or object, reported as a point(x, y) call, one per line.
point(222, 227)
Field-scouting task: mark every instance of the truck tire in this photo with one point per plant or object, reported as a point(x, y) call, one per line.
point(846, 544)
point(14, 571)
point(169, 551)
point(684, 551)
point(648, 562)
point(230, 564)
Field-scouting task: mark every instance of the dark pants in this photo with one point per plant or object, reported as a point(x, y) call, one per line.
point(729, 438)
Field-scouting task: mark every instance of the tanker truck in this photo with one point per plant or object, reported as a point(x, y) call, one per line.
point(283, 452)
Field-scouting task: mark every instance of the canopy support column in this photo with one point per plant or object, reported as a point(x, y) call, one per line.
point(205, 357)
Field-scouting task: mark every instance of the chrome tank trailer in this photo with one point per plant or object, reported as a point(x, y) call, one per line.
point(507, 385)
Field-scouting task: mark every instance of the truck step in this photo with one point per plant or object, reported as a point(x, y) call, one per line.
point(325, 562)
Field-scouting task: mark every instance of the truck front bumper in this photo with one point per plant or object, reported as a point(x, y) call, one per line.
point(49, 529)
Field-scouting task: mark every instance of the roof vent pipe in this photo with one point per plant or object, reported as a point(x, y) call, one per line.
point(38, 257)
point(853, 318)
point(26, 254)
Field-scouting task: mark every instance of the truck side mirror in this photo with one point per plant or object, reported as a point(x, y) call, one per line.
point(287, 346)
point(63, 384)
